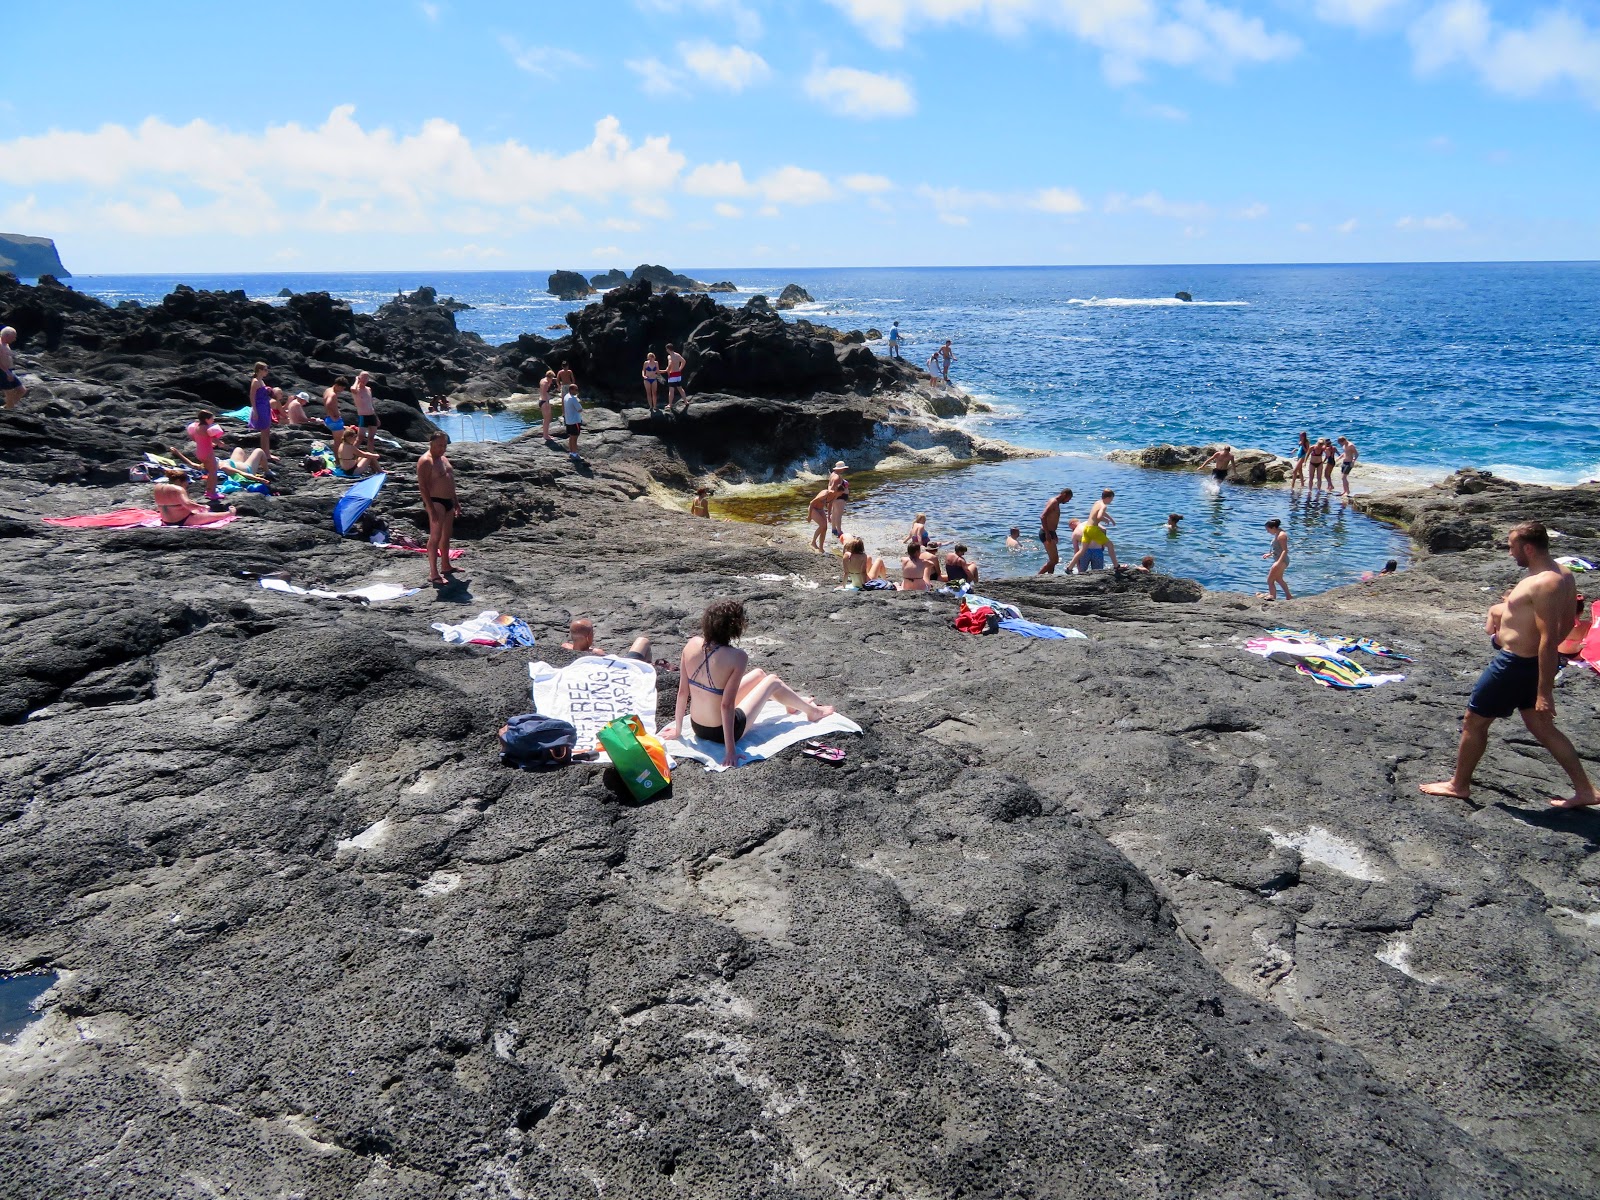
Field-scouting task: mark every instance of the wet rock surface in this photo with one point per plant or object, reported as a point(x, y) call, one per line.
point(1142, 915)
point(1249, 465)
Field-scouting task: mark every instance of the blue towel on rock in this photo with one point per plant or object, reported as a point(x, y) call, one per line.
point(1035, 630)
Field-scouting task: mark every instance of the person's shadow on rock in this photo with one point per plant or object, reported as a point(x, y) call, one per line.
point(1584, 822)
point(457, 590)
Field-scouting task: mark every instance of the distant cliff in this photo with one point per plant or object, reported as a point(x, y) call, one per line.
point(30, 257)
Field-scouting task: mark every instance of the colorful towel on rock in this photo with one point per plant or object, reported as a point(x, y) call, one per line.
point(488, 628)
point(592, 691)
point(1328, 664)
point(133, 518)
point(1364, 644)
point(774, 729)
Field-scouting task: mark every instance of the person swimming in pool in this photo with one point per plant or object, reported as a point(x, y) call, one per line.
point(721, 694)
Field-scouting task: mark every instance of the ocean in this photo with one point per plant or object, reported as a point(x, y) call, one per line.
point(1427, 367)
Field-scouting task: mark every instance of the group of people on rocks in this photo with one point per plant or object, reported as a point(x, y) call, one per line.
point(1314, 463)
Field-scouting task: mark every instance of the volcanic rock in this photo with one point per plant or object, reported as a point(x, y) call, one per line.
point(1184, 296)
point(612, 278)
point(723, 286)
point(1249, 466)
point(569, 285)
point(793, 294)
point(669, 280)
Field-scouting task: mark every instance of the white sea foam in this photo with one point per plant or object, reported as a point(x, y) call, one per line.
point(1156, 302)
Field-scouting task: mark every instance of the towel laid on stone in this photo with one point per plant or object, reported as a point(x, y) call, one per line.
point(372, 593)
point(1035, 630)
point(1329, 665)
point(488, 628)
point(592, 691)
point(774, 729)
point(133, 518)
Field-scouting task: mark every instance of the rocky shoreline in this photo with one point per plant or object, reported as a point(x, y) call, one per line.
point(1138, 915)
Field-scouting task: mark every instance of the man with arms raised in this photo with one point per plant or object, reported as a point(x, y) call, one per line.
point(1525, 627)
point(436, 480)
point(1049, 522)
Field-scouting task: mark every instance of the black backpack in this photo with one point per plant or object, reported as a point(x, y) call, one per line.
point(535, 743)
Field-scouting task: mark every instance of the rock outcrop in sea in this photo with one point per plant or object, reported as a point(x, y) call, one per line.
point(792, 295)
point(1249, 465)
point(1137, 915)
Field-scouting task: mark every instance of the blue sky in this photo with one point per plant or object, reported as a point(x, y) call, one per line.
point(477, 134)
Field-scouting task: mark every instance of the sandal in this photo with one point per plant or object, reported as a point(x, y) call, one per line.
point(830, 754)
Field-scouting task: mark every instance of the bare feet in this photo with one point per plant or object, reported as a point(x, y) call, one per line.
point(818, 711)
point(1575, 801)
point(1447, 788)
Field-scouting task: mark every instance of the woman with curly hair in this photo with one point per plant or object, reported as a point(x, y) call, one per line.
point(721, 693)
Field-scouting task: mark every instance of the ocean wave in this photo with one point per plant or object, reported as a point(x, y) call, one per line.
point(1156, 302)
point(1543, 475)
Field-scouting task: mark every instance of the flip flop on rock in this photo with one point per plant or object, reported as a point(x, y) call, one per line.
point(830, 754)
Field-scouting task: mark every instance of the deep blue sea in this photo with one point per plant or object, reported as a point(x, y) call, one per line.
point(1427, 367)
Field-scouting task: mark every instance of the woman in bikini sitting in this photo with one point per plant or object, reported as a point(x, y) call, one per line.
point(860, 571)
point(724, 694)
point(172, 499)
point(352, 460)
point(915, 571)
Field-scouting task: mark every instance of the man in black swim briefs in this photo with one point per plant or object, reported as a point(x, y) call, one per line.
point(1219, 463)
point(1526, 628)
point(1049, 523)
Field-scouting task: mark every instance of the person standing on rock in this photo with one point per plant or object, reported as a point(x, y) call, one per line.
point(10, 386)
point(564, 377)
point(817, 513)
point(261, 407)
point(1300, 457)
point(840, 483)
point(572, 416)
point(331, 416)
point(1314, 458)
point(205, 433)
point(1049, 524)
point(946, 357)
point(651, 376)
point(1093, 540)
point(1279, 554)
point(1527, 627)
point(436, 480)
point(1329, 455)
point(932, 365)
point(545, 385)
point(1347, 461)
point(701, 505)
point(675, 365)
point(1219, 463)
point(894, 340)
point(366, 411)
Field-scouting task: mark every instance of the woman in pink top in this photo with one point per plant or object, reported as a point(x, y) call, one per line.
point(205, 433)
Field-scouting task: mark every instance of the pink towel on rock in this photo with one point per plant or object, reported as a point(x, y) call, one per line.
point(135, 518)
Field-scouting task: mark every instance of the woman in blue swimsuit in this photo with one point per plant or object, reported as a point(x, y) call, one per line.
point(724, 694)
point(651, 376)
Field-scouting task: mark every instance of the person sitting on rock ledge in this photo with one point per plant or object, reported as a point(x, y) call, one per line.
point(720, 693)
point(580, 640)
point(172, 500)
point(352, 460)
point(915, 571)
point(1526, 628)
point(957, 567)
point(701, 507)
point(294, 409)
point(863, 572)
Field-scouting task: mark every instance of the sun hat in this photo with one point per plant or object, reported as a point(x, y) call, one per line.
point(302, 395)
point(840, 466)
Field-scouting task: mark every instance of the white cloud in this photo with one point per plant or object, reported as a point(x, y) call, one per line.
point(1346, 227)
point(795, 185)
point(471, 252)
point(603, 252)
point(1160, 112)
point(655, 77)
point(869, 184)
point(1302, 227)
point(1062, 201)
point(1363, 14)
point(1157, 205)
point(731, 67)
point(620, 225)
point(849, 92)
point(731, 211)
point(157, 179)
point(1253, 212)
point(950, 218)
point(429, 10)
point(746, 21)
point(717, 179)
point(1558, 47)
point(547, 62)
point(1128, 33)
point(956, 199)
point(653, 207)
point(769, 210)
point(1445, 222)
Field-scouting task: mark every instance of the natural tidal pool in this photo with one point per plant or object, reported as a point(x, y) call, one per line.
point(482, 426)
point(17, 996)
point(1220, 540)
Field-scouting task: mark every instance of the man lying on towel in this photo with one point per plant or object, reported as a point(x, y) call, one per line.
point(720, 691)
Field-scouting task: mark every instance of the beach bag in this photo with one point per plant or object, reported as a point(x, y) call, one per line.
point(977, 620)
point(537, 743)
point(639, 757)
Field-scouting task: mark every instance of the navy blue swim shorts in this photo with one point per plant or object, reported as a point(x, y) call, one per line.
point(1508, 684)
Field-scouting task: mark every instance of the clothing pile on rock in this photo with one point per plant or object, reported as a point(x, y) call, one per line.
point(1326, 659)
point(488, 628)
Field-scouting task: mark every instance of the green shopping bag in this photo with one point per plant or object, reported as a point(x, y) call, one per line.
point(639, 757)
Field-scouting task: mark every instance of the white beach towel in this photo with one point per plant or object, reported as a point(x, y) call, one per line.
point(373, 593)
point(592, 692)
point(773, 730)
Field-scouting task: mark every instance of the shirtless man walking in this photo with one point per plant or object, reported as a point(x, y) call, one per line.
point(675, 365)
point(436, 480)
point(1049, 523)
point(1279, 554)
point(1219, 464)
point(1094, 542)
point(10, 386)
point(1347, 461)
point(331, 416)
point(1525, 627)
